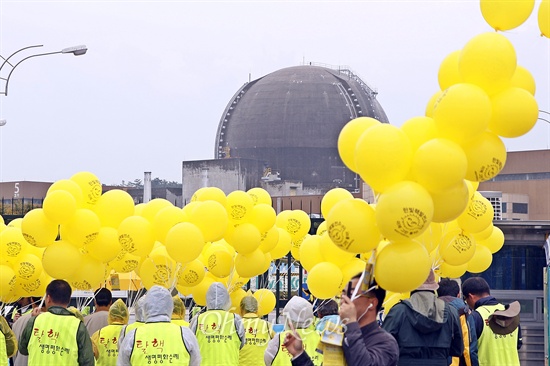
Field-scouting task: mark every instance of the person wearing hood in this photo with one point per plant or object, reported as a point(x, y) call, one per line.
point(258, 333)
point(105, 340)
point(298, 315)
point(159, 340)
point(139, 321)
point(220, 333)
point(178, 315)
point(449, 291)
point(327, 312)
point(426, 328)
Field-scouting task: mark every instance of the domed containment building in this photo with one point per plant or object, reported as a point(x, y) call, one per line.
point(290, 120)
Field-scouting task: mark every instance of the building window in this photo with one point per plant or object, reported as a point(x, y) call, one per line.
point(521, 208)
point(504, 207)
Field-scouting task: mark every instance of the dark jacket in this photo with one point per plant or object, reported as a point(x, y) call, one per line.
point(461, 309)
point(366, 346)
point(489, 300)
point(427, 330)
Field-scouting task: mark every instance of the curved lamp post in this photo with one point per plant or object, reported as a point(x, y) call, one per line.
point(77, 51)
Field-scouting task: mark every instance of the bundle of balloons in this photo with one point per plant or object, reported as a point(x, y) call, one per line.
point(427, 213)
point(83, 236)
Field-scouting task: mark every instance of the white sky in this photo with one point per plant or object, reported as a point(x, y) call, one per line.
point(157, 76)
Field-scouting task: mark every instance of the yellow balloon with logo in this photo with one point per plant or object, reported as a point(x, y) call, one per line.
point(446, 270)
point(515, 112)
point(489, 61)
point(333, 253)
point(266, 301)
point(449, 74)
point(332, 197)
point(310, 252)
point(125, 262)
point(478, 216)
point(402, 266)
point(59, 206)
point(7, 280)
point(114, 206)
point(259, 196)
point(37, 229)
point(405, 210)
point(504, 15)
point(432, 102)
point(383, 156)
point(82, 229)
point(457, 247)
point(211, 218)
point(136, 236)
point(325, 280)
point(481, 260)
point(486, 154)
point(352, 226)
point(12, 245)
point(239, 206)
point(106, 247)
point(295, 247)
point(90, 186)
point(89, 276)
point(419, 130)
point(523, 79)
point(269, 239)
point(191, 274)
point(450, 203)
point(158, 271)
point(348, 137)
point(28, 268)
point(220, 263)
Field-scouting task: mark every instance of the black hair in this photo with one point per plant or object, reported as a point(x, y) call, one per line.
point(329, 307)
point(103, 297)
point(59, 291)
point(378, 291)
point(448, 287)
point(475, 286)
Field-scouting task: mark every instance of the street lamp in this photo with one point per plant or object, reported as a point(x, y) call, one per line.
point(77, 51)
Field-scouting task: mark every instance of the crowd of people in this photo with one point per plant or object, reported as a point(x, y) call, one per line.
point(440, 324)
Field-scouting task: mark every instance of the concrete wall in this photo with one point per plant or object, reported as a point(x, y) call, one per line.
point(24, 189)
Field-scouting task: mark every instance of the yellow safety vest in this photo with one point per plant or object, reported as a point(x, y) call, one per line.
point(218, 340)
point(107, 345)
point(180, 322)
point(159, 343)
point(131, 326)
point(496, 349)
point(257, 335)
point(53, 340)
point(310, 338)
point(3, 350)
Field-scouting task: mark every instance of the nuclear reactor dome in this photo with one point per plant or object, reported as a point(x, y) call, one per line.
point(290, 119)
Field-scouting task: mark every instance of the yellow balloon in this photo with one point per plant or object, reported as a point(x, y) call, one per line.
point(432, 102)
point(478, 215)
point(431, 237)
point(211, 194)
point(69, 186)
point(59, 206)
point(462, 111)
point(7, 280)
point(184, 242)
point(12, 245)
point(71, 259)
point(495, 241)
point(523, 79)
point(489, 61)
point(165, 219)
point(251, 264)
point(199, 291)
point(245, 238)
point(448, 71)
point(450, 203)
point(37, 229)
point(159, 271)
point(439, 164)
point(325, 280)
point(135, 234)
point(383, 156)
point(269, 239)
point(506, 14)
point(237, 282)
point(322, 228)
point(393, 298)
point(266, 301)
point(36, 287)
point(419, 130)
point(211, 218)
point(263, 217)
point(236, 296)
point(15, 223)
point(28, 268)
point(486, 154)
point(481, 260)
point(259, 196)
point(445, 270)
point(106, 247)
point(457, 247)
point(332, 197)
point(404, 211)
point(347, 139)
point(89, 276)
point(515, 112)
point(310, 252)
point(352, 226)
point(544, 18)
point(220, 263)
point(82, 229)
point(114, 206)
point(295, 222)
point(283, 245)
point(125, 262)
point(349, 270)
point(90, 186)
point(239, 206)
point(402, 266)
point(152, 208)
point(192, 273)
point(138, 209)
point(333, 253)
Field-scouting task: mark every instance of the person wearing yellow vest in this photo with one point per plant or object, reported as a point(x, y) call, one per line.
point(139, 320)
point(8, 342)
point(105, 340)
point(494, 347)
point(299, 312)
point(258, 333)
point(178, 314)
point(57, 337)
point(159, 341)
point(220, 333)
